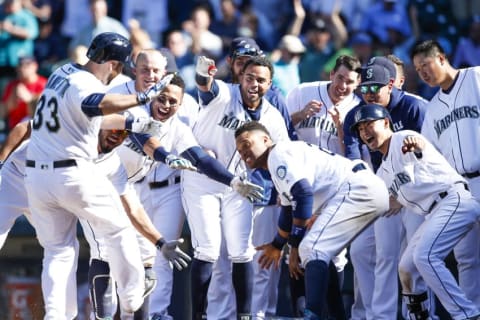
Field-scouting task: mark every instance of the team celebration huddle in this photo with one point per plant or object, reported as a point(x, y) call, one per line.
point(350, 170)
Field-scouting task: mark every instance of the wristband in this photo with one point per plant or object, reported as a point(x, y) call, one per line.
point(128, 122)
point(159, 244)
point(279, 241)
point(296, 236)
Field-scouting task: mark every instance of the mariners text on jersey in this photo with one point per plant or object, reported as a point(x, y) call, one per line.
point(231, 122)
point(401, 178)
point(319, 122)
point(456, 115)
point(58, 84)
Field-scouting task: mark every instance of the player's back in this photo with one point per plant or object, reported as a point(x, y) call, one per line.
point(60, 129)
point(292, 161)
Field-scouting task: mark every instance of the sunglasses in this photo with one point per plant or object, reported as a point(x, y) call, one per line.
point(247, 52)
point(374, 88)
point(121, 133)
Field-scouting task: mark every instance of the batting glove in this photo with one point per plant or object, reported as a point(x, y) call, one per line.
point(175, 256)
point(247, 189)
point(144, 97)
point(176, 162)
point(143, 125)
point(205, 67)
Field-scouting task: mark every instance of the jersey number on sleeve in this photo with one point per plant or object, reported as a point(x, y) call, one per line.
point(46, 113)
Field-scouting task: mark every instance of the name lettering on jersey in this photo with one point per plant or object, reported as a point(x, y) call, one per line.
point(325, 124)
point(58, 84)
point(135, 148)
point(397, 126)
point(465, 112)
point(231, 122)
point(400, 179)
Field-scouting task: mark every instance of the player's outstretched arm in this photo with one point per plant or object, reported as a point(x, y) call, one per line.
point(101, 104)
point(212, 168)
point(17, 135)
point(142, 222)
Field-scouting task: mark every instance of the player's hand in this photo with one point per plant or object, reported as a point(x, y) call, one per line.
point(205, 67)
point(144, 97)
point(294, 267)
point(311, 108)
point(175, 256)
point(176, 162)
point(144, 125)
point(247, 189)
point(394, 207)
point(270, 255)
point(413, 144)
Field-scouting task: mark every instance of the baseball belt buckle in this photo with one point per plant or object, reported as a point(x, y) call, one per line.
point(43, 165)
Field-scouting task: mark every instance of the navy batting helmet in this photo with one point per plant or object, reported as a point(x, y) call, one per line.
point(109, 46)
point(369, 112)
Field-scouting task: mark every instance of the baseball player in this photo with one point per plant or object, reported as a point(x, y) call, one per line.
point(345, 195)
point(14, 203)
point(419, 177)
point(224, 107)
point(383, 239)
point(318, 110)
point(70, 112)
point(452, 125)
point(265, 282)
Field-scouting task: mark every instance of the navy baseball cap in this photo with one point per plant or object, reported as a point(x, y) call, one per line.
point(386, 63)
point(244, 46)
point(375, 74)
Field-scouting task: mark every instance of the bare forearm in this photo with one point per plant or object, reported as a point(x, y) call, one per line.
point(16, 136)
point(114, 103)
point(140, 219)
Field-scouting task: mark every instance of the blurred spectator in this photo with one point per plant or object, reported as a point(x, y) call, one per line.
point(382, 14)
point(227, 27)
point(101, 22)
point(184, 58)
point(42, 10)
point(18, 30)
point(250, 28)
point(139, 38)
point(287, 75)
point(360, 46)
point(319, 48)
point(463, 11)
point(467, 53)
point(433, 19)
point(76, 16)
point(152, 16)
point(202, 40)
point(273, 17)
point(21, 94)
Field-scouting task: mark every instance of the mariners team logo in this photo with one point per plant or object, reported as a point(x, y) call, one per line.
point(281, 172)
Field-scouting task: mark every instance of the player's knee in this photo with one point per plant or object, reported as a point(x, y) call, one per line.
point(424, 261)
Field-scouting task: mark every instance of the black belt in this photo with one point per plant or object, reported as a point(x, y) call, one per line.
point(359, 167)
point(56, 164)
point(471, 175)
point(161, 184)
point(444, 194)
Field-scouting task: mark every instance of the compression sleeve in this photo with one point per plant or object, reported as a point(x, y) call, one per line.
point(208, 165)
point(90, 105)
point(207, 96)
point(302, 194)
